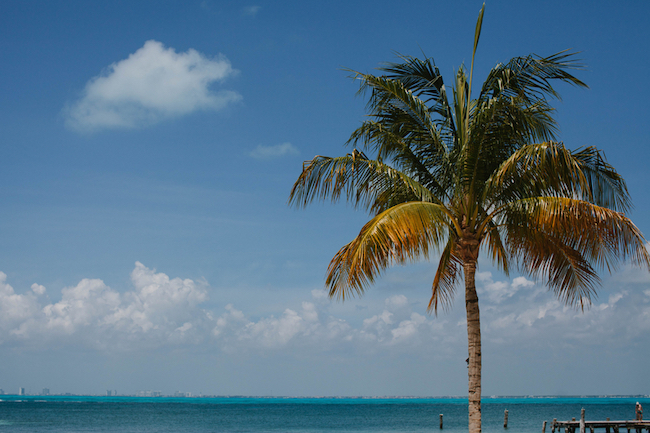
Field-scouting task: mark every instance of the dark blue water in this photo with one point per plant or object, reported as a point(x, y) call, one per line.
point(124, 414)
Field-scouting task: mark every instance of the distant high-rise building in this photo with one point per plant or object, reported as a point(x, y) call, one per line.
point(109, 393)
point(2, 391)
point(21, 391)
point(46, 391)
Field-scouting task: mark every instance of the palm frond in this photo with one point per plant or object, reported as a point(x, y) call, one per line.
point(530, 77)
point(497, 250)
point(606, 186)
point(567, 239)
point(568, 274)
point(497, 130)
point(550, 169)
point(362, 181)
point(405, 232)
point(443, 288)
point(394, 103)
point(422, 77)
point(404, 151)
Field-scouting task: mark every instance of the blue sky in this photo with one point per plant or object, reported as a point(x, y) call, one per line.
point(148, 150)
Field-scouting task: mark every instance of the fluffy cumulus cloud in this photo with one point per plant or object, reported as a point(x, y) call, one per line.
point(152, 84)
point(267, 152)
point(311, 327)
point(160, 311)
point(523, 312)
point(163, 311)
point(498, 291)
point(15, 309)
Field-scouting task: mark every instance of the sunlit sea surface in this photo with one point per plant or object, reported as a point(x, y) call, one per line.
point(242, 414)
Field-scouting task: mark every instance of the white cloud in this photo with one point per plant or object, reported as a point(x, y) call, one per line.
point(38, 289)
point(152, 84)
point(82, 306)
point(15, 309)
point(159, 311)
point(498, 291)
point(252, 10)
point(267, 152)
point(522, 282)
point(396, 302)
point(320, 295)
point(408, 328)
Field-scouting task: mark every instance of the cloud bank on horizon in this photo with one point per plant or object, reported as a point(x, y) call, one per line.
point(164, 312)
point(153, 84)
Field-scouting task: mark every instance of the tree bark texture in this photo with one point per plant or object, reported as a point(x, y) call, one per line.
point(474, 347)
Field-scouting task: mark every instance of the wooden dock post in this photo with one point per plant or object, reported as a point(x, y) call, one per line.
point(440, 421)
point(582, 420)
point(554, 425)
point(544, 427)
point(505, 419)
point(607, 428)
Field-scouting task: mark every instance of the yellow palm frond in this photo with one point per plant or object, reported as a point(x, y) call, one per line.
point(405, 232)
point(444, 283)
point(567, 238)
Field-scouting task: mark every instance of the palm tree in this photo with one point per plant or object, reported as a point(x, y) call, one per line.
point(465, 176)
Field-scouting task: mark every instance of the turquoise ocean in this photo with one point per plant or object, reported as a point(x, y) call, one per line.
point(249, 414)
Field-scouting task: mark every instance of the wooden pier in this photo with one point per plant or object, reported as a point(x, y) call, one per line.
point(610, 426)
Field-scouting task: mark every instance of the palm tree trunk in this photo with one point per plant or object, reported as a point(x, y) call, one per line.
point(474, 347)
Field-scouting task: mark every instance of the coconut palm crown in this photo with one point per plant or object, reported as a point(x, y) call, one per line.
point(442, 173)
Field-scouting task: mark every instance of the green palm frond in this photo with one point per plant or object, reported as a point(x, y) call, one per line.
point(388, 94)
point(403, 233)
point(529, 77)
point(537, 170)
point(461, 108)
point(397, 106)
point(422, 77)
point(497, 131)
point(401, 151)
point(607, 187)
point(550, 169)
point(362, 181)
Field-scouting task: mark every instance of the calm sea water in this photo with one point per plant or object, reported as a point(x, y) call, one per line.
point(226, 415)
